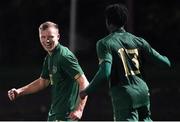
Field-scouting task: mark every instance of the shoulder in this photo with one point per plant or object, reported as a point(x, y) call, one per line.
point(66, 54)
point(64, 51)
point(105, 40)
point(143, 42)
point(139, 40)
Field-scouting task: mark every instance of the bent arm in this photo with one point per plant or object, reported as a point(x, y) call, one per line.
point(77, 113)
point(83, 83)
point(33, 87)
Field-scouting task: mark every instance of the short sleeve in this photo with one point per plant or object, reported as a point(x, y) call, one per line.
point(71, 66)
point(103, 52)
point(45, 71)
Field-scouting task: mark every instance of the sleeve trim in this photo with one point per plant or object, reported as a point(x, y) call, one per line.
point(102, 60)
point(77, 76)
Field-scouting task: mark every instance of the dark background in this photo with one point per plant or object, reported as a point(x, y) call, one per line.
point(21, 55)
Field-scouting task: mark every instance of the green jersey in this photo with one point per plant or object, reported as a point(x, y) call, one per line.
point(124, 52)
point(62, 70)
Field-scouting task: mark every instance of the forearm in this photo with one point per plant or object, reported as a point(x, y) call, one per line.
point(81, 104)
point(83, 83)
point(33, 87)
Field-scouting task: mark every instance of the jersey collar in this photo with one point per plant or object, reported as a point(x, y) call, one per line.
point(120, 30)
point(55, 49)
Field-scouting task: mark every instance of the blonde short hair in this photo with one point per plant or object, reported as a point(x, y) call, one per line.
point(48, 24)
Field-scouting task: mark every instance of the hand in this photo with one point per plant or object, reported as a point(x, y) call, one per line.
point(82, 94)
point(13, 94)
point(75, 115)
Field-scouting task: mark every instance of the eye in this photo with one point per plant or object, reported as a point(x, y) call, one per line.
point(51, 37)
point(43, 37)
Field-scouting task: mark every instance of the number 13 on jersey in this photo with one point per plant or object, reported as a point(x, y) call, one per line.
point(130, 61)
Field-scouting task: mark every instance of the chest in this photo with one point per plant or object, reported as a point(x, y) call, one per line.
point(56, 72)
point(53, 65)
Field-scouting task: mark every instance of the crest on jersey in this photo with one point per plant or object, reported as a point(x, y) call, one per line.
point(54, 70)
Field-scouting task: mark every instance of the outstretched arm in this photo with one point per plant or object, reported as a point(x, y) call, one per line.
point(33, 87)
point(151, 54)
point(161, 60)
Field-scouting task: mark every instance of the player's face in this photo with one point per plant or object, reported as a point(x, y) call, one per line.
point(49, 38)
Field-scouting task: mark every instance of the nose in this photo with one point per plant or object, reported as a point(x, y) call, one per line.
point(47, 41)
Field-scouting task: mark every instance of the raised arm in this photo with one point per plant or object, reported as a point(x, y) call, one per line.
point(33, 87)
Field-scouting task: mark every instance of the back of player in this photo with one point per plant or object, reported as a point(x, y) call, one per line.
point(120, 57)
point(129, 92)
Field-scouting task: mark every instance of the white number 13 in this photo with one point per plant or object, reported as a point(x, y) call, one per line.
point(133, 54)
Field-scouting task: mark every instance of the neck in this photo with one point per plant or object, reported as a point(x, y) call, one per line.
point(50, 53)
point(114, 28)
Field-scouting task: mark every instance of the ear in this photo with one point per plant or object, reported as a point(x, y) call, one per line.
point(110, 27)
point(58, 36)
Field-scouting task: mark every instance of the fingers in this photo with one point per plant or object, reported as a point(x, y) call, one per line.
point(12, 94)
point(73, 116)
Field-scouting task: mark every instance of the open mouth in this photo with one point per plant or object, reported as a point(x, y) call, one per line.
point(48, 45)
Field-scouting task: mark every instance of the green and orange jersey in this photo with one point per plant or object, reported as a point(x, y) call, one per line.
point(121, 54)
point(62, 69)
